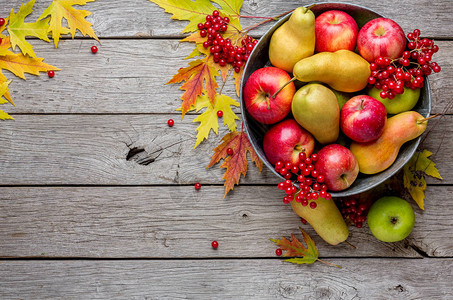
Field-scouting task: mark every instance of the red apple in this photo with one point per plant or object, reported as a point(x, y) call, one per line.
point(381, 37)
point(285, 140)
point(362, 118)
point(258, 92)
point(338, 165)
point(335, 30)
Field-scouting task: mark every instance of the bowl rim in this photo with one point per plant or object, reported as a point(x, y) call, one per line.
point(244, 113)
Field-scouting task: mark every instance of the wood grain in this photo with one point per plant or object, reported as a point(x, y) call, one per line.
point(129, 77)
point(141, 18)
point(227, 279)
point(158, 222)
point(93, 149)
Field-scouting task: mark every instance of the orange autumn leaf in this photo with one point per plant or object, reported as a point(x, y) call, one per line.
point(19, 64)
point(198, 75)
point(235, 164)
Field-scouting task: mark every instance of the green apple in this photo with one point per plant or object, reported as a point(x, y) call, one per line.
point(391, 219)
point(402, 102)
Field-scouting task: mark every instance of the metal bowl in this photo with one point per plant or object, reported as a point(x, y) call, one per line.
point(255, 130)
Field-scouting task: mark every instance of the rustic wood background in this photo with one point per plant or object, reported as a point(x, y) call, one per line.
point(78, 220)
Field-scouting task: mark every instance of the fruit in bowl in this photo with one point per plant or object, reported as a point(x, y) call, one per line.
point(334, 78)
point(335, 30)
point(259, 99)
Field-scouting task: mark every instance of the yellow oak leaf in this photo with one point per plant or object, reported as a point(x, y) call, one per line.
point(210, 121)
point(235, 164)
point(5, 116)
point(18, 29)
point(60, 9)
point(414, 176)
point(20, 64)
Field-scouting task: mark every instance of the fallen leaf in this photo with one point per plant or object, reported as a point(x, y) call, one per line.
point(60, 9)
point(414, 176)
point(193, 11)
point(18, 29)
point(5, 116)
point(301, 254)
point(19, 64)
point(198, 76)
point(210, 121)
point(235, 164)
point(6, 94)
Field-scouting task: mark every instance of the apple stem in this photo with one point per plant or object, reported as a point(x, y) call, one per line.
point(299, 148)
point(282, 87)
point(268, 102)
point(426, 119)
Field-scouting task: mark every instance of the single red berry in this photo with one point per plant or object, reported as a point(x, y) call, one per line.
point(215, 13)
point(313, 204)
point(278, 252)
point(94, 49)
point(197, 186)
point(230, 151)
point(219, 113)
point(2, 21)
point(200, 26)
point(171, 122)
point(51, 74)
point(303, 221)
point(214, 244)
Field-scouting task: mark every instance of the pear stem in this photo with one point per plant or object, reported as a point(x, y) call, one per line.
point(282, 87)
point(350, 244)
point(328, 263)
point(426, 119)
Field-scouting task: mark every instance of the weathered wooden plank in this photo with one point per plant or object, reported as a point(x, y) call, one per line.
point(129, 76)
point(98, 149)
point(141, 18)
point(177, 221)
point(227, 279)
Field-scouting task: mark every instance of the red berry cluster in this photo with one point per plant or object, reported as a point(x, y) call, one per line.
point(392, 75)
point(310, 182)
point(353, 210)
point(223, 51)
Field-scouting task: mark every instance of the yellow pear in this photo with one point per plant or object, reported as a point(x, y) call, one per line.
point(315, 108)
point(293, 40)
point(376, 156)
point(343, 70)
point(325, 219)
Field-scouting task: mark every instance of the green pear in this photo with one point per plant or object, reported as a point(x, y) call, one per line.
point(293, 40)
point(325, 219)
point(401, 102)
point(342, 97)
point(315, 108)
